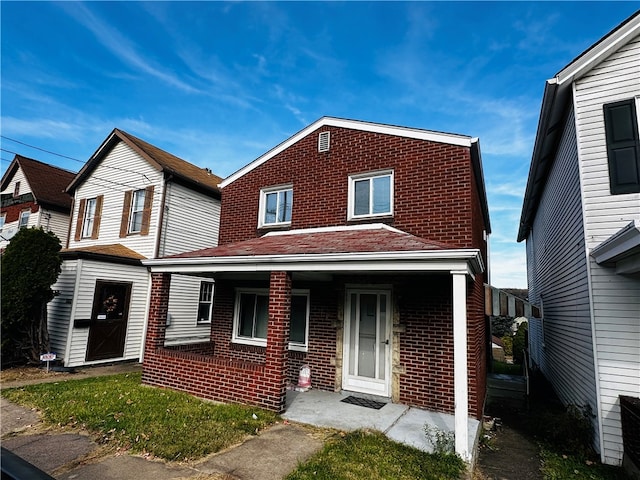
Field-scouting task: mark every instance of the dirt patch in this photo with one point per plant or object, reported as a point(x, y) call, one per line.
point(17, 374)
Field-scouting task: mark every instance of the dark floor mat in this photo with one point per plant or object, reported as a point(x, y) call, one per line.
point(363, 402)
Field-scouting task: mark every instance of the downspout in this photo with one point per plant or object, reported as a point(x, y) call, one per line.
point(160, 233)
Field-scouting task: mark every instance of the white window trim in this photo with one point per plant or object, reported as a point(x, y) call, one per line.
point(235, 338)
point(3, 219)
point(263, 205)
point(206, 322)
point(352, 191)
point(132, 212)
point(87, 230)
point(22, 214)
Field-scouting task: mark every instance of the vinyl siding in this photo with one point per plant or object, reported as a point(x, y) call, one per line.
point(616, 298)
point(121, 170)
point(191, 221)
point(58, 223)
point(558, 281)
point(59, 309)
point(92, 271)
point(183, 308)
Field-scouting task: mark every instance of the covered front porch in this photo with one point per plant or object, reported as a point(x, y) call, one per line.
point(422, 346)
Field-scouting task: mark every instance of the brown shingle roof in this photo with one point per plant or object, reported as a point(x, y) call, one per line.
point(355, 240)
point(48, 183)
point(112, 250)
point(165, 161)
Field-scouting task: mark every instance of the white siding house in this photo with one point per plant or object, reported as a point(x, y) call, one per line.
point(33, 195)
point(132, 201)
point(581, 221)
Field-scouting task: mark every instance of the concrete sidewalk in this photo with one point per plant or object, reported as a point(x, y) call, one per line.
point(72, 456)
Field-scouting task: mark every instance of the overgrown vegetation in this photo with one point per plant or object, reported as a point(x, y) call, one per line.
point(371, 455)
point(30, 265)
point(506, 368)
point(520, 343)
point(123, 413)
point(441, 440)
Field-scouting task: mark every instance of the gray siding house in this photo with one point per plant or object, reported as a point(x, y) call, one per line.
point(581, 223)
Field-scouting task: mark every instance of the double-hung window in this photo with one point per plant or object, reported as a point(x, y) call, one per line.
point(89, 217)
point(24, 218)
point(623, 146)
point(205, 303)
point(371, 195)
point(252, 312)
point(137, 211)
point(276, 205)
point(3, 217)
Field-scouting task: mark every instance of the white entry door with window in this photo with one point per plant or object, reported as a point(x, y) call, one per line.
point(367, 342)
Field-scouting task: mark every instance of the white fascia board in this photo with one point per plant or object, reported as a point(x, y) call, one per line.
point(467, 260)
point(449, 138)
point(339, 228)
point(600, 51)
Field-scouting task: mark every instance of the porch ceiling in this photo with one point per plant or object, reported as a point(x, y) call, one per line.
point(368, 248)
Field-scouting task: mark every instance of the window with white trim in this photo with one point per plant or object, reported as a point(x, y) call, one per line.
point(89, 217)
point(371, 195)
point(205, 303)
point(137, 211)
point(276, 205)
point(24, 218)
point(251, 315)
point(3, 218)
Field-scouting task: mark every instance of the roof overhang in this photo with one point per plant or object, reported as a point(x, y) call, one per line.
point(555, 101)
point(621, 250)
point(468, 261)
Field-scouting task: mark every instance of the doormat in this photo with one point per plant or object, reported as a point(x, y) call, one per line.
point(363, 402)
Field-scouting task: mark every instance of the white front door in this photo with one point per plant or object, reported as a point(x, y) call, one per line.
point(367, 342)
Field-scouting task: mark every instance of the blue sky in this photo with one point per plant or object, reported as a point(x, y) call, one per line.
point(218, 84)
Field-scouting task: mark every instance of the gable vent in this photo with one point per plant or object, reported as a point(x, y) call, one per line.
point(323, 142)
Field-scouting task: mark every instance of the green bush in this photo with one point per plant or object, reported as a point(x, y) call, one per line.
point(507, 341)
point(520, 343)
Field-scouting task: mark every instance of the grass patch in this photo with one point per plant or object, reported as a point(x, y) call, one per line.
point(371, 455)
point(123, 413)
point(571, 467)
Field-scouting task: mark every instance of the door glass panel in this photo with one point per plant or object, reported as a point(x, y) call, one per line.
point(352, 334)
point(367, 336)
point(382, 337)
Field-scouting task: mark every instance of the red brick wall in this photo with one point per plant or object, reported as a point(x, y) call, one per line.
point(13, 211)
point(432, 186)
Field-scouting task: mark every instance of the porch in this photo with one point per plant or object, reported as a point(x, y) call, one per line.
point(400, 423)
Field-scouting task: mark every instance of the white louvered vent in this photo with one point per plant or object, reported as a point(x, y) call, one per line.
point(323, 142)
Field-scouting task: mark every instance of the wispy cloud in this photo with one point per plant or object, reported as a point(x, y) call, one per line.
point(122, 47)
point(508, 267)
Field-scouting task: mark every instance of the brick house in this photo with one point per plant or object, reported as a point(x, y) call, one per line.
point(356, 248)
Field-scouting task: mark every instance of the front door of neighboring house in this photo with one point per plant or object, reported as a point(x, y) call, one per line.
point(367, 342)
point(108, 320)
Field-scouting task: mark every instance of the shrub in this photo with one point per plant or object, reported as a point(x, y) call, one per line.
point(520, 343)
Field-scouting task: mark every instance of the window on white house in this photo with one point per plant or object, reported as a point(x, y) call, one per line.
point(16, 189)
point(205, 304)
point(252, 312)
point(623, 146)
point(24, 218)
point(89, 218)
point(276, 205)
point(371, 195)
point(137, 211)
point(3, 217)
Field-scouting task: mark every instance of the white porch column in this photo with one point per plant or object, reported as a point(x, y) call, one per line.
point(460, 374)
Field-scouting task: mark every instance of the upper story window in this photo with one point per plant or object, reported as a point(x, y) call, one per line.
point(24, 218)
point(371, 195)
point(205, 304)
point(251, 314)
point(136, 212)
point(3, 217)
point(16, 189)
point(276, 205)
point(623, 146)
point(89, 217)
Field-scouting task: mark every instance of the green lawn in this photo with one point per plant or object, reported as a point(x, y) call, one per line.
point(372, 456)
point(126, 414)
